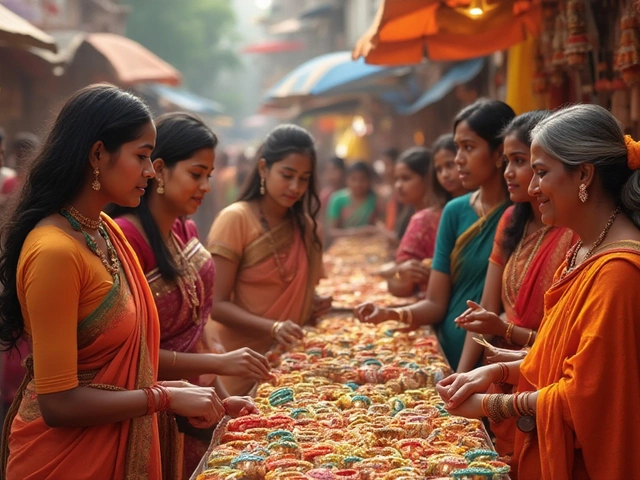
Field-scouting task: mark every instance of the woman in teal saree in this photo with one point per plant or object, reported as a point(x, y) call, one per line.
point(466, 232)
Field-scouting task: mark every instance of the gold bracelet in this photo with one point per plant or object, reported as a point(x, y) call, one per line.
point(274, 329)
point(409, 317)
point(175, 358)
point(401, 313)
point(529, 342)
point(509, 332)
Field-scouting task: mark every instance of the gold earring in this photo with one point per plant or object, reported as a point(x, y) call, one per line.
point(160, 188)
point(263, 190)
point(96, 183)
point(582, 193)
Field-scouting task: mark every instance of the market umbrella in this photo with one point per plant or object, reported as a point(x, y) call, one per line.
point(326, 74)
point(16, 31)
point(407, 31)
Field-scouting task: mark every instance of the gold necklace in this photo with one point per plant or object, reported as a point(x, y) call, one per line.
point(512, 293)
point(84, 221)
point(188, 289)
point(574, 256)
point(112, 267)
point(286, 277)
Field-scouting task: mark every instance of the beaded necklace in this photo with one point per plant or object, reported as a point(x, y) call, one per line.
point(512, 287)
point(574, 256)
point(287, 277)
point(113, 267)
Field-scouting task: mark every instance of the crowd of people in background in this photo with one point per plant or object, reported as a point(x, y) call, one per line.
point(518, 234)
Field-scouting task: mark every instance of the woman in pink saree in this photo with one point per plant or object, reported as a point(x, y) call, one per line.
point(268, 252)
point(181, 272)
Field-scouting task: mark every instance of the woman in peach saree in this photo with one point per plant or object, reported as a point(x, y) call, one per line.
point(87, 408)
point(268, 252)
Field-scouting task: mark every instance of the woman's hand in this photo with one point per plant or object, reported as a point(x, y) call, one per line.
point(458, 387)
point(288, 333)
point(370, 313)
point(414, 271)
point(201, 405)
point(470, 408)
point(243, 362)
point(496, 355)
point(478, 320)
point(321, 306)
point(239, 406)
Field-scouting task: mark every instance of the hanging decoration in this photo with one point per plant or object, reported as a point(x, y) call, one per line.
point(577, 45)
point(627, 59)
point(558, 60)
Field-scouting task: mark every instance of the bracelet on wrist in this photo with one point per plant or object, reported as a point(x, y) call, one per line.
point(509, 332)
point(274, 328)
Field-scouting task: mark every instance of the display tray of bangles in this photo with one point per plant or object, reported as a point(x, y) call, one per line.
point(352, 266)
point(353, 402)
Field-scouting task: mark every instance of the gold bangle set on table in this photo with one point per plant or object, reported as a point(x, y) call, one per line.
point(351, 401)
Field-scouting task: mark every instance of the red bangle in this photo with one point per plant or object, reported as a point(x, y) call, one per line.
point(151, 400)
point(165, 398)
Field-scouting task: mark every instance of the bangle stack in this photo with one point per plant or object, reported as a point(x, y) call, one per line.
point(504, 373)
point(405, 314)
point(164, 395)
point(509, 332)
point(499, 407)
point(275, 328)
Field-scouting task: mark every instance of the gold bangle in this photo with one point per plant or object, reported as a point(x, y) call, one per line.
point(409, 317)
point(175, 358)
point(509, 332)
point(529, 342)
point(274, 329)
point(400, 312)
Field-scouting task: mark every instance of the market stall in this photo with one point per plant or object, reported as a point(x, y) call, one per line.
point(354, 401)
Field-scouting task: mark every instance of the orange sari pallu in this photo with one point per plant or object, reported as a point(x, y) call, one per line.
point(117, 349)
point(585, 366)
point(523, 301)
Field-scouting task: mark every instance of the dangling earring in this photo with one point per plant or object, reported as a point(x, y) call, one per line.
point(160, 188)
point(582, 193)
point(96, 183)
point(262, 189)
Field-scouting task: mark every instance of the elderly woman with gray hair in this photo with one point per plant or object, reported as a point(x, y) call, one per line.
point(578, 398)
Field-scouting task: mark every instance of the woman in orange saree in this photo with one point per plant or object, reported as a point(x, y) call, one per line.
point(87, 408)
point(577, 406)
point(268, 252)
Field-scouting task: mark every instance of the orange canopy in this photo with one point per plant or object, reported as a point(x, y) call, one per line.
point(406, 31)
point(132, 62)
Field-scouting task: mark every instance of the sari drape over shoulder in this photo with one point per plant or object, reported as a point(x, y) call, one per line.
point(260, 288)
point(462, 251)
point(117, 349)
point(585, 366)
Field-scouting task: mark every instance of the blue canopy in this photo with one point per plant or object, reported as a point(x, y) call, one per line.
point(460, 73)
point(327, 74)
point(186, 100)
